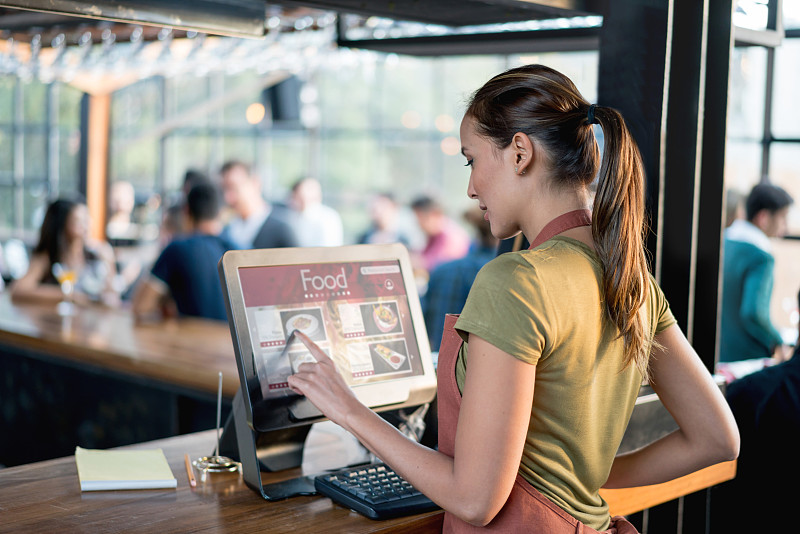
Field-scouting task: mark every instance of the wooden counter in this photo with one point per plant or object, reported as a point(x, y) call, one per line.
point(99, 380)
point(183, 352)
point(46, 497)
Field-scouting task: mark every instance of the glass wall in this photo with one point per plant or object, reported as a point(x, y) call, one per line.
point(785, 148)
point(39, 151)
point(764, 145)
point(371, 122)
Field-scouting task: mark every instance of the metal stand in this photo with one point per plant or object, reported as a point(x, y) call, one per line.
point(269, 451)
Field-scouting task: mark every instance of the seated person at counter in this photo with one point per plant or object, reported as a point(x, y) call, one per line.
point(445, 240)
point(450, 282)
point(256, 223)
point(766, 405)
point(747, 333)
point(185, 274)
point(66, 256)
point(386, 225)
point(319, 225)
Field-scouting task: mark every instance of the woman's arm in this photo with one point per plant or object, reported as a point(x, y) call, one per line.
point(148, 299)
point(29, 287)
point(492, 425)
point(707, 432)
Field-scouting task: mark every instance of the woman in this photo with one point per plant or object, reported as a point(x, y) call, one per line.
point(557, 338)
point(64, 247)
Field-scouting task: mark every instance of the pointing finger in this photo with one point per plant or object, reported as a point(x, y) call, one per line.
point(313, 348)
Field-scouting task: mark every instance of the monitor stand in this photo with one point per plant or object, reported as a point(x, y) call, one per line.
point(268, 451)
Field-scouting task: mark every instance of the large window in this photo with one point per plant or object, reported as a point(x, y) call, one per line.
point(39, 151)
point(372, 122)
point(764, 145)
point(763, 134)
point(784, 150)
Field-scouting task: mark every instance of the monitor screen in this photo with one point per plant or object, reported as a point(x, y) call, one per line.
point(359, 304)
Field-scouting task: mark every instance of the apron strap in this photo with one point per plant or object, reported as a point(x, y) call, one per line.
point(562, 223)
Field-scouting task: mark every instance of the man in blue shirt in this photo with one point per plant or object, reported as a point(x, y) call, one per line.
point(185, 274)
point(747, 332)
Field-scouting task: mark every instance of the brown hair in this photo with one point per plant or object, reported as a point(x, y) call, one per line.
point(545, 105)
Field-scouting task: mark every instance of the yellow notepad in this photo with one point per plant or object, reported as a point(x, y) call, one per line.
point(127, 469)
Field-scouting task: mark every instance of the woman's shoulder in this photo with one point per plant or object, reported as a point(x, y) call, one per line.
point(504, 264)
point(508, 272)
point(558, 257)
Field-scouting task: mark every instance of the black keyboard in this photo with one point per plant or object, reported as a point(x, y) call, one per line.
point(373, 490)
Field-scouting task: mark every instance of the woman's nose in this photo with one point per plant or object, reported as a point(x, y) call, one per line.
point(471, 193)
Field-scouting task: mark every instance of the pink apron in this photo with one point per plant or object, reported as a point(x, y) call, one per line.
point(526, 509)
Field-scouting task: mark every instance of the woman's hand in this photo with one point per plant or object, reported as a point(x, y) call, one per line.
point(322, 384)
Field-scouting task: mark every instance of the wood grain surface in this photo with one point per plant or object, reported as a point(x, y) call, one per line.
point(186, 352)
point(46, 497)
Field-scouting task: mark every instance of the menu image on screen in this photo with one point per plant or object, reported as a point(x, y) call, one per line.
point(357, 312)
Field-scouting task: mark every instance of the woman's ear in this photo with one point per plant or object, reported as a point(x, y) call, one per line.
point(522, 150)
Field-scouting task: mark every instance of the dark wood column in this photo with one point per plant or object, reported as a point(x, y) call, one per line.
point(664, 65)
point(711, 214)
point(634, 52)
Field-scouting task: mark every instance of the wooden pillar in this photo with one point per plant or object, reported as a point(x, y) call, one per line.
point(94, 176)
point(95, 136)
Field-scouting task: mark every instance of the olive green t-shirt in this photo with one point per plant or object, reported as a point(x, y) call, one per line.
point(544, 306)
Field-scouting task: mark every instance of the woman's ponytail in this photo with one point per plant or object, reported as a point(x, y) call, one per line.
point(618, 226)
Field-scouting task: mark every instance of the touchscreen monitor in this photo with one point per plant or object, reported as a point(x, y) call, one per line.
point(358, 303)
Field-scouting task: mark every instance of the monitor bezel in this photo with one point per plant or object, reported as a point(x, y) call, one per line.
point(421, 388)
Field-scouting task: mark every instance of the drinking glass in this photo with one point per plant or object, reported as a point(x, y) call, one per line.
point(66, 278)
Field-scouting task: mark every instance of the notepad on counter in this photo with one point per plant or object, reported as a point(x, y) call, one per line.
point(125, 469)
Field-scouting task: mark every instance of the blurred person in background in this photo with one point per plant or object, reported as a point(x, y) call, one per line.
point(256, 223)
point(318, 225)
point(446, 240)
point(184, 278)
point(172, 217)
point(748, 338)
point(172, 223)
point(450, 282)
point(191, 178)
point(385, 226)
point(766, 405)
point(121, 228)
point(734, 206)
point(3, 270)
point(65, 254)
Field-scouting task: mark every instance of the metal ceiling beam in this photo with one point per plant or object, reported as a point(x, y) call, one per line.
point(243, 18)
point(459, 12)
point(523, 42)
